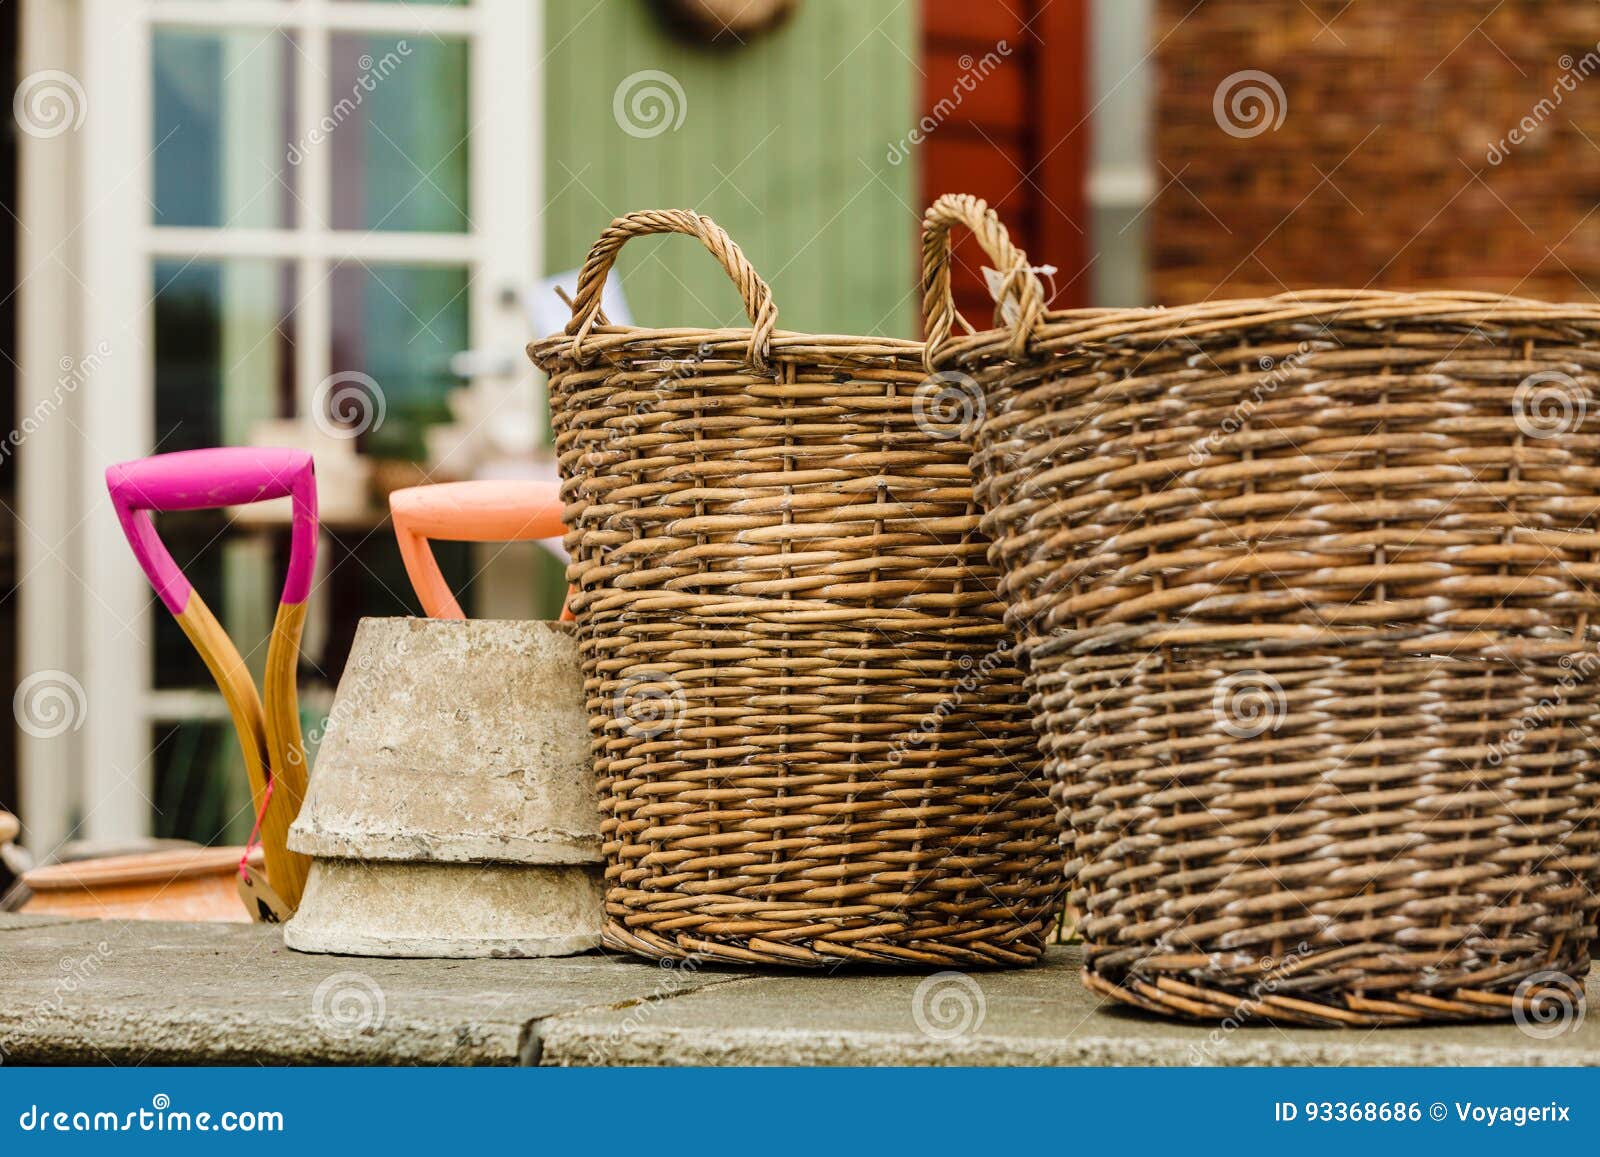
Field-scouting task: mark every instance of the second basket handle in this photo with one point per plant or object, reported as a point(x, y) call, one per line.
point(758, 305)
point(1018, 279)
point(482, 510)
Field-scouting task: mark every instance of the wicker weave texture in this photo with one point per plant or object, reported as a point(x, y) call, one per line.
point(1375, 144)
point(1308, 587)
point(810, 732)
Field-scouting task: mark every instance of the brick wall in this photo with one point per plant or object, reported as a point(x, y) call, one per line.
point(1394, 163)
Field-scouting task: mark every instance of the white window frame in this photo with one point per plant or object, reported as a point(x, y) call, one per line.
point(87, 277)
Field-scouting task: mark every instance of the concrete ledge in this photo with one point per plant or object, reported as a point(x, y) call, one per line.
point(87, 992)
point(124, 993)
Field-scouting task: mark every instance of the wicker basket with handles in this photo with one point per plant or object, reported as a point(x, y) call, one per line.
point(1309, 587)
point(810, 734)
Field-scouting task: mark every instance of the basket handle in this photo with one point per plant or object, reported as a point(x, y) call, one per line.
point(758, 305)
point(938, 304)
point(482, 510)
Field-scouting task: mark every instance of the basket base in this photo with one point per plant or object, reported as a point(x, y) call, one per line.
point(1551, 1003)
point(817, 953)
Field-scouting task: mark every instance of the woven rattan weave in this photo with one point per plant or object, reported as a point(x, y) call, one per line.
point(1309, 589)
point(810, 734)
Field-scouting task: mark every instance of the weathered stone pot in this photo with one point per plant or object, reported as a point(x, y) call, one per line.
point(452, 809)
point(391, 908)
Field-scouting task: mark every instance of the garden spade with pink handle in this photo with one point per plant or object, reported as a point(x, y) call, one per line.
point(268, 725)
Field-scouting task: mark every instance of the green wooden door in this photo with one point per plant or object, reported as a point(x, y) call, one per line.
point(786, 141)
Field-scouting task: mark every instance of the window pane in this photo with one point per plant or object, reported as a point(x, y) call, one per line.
point(201, 789)
point(224, 348)
point(397, 126)
point(223, 110)
point(400, 324)
point(224, 360)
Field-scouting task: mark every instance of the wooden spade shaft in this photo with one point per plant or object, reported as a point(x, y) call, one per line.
point(287, 753)
point(265, 739)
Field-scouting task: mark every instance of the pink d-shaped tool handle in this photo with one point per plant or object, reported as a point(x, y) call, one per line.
point(488, 510)
point(201, 479)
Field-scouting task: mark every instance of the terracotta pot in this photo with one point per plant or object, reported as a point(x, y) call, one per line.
point(195, 884)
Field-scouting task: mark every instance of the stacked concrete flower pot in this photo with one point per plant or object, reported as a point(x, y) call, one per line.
point(451, 811)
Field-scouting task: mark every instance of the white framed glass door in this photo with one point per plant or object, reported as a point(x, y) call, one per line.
point(280, 199)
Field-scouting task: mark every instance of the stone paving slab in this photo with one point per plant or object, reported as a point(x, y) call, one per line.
point(1042, 1016)
point(124, 993)
point(88, 991)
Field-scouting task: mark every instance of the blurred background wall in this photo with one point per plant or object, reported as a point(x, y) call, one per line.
point(782, 140)
point(1379, 145)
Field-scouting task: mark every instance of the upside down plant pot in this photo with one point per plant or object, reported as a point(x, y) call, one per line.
point(1308, 591)
point(781, 595)
point(452, 811)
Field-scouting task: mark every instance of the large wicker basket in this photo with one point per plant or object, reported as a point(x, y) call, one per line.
point(1310, 589)
point(811, 737)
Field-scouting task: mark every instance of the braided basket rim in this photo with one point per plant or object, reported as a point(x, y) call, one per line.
point(789, 345)
point(1138, 326)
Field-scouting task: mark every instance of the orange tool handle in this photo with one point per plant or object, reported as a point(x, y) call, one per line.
point(486, 510)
